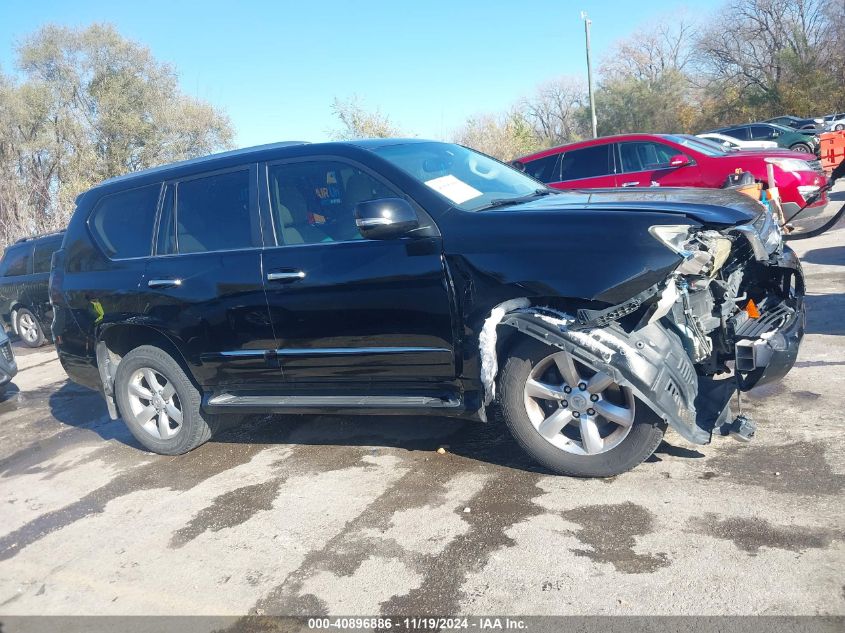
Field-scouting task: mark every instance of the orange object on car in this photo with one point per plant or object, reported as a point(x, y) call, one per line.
point(752, 310)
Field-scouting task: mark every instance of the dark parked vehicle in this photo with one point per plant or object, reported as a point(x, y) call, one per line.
point(24, 301)
point(8, 365)
point(417, 277)
point(796, 123)
point(805, 141)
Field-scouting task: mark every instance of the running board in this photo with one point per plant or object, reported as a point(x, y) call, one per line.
point(227, 401)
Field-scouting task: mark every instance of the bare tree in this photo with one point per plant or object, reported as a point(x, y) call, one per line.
point(358, 122)
point(645, 80)
point(652, 51)
point(776, 54)
point(553, 110)
point(89, 104)
point(504, 136)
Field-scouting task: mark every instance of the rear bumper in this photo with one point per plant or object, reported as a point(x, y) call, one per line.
point(8, 365)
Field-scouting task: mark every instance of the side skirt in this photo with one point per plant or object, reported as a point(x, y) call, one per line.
point(233, 402)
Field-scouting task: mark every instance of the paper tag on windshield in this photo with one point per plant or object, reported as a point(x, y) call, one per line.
point(456, 190)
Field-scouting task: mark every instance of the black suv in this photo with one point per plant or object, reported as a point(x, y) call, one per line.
point(24, 301)
point(418, 277)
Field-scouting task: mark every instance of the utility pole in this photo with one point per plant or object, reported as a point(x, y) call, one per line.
point(587, 23)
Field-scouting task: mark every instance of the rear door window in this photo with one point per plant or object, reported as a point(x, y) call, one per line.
point(213, 213)
point(587, 162)
point(16, 261)
point(546, 169)
point(122, 223)
point(740, 133)
point(762, 132)
point(43, 253)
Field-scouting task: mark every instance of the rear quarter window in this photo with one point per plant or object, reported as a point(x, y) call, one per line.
point(122, 223)
point(587, 162)
point(43, 253)
point(16, 261)
point(544, 169)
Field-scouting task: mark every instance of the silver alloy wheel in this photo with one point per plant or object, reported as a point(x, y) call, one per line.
point(28, 328)
point(583, 412)
point(154, 404)
point(801, 148)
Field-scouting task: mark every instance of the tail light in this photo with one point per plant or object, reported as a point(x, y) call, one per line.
point(57, 278)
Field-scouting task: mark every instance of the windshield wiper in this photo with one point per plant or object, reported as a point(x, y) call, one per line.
point(503, 202)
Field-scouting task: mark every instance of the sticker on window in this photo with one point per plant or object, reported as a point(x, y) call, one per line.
point(456, 190)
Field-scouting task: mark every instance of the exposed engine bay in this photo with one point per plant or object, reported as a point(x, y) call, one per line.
point(729, 317)
point(733, 298)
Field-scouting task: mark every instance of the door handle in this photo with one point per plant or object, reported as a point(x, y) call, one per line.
point(633, 183)
point(164, 283)
point(286, 277)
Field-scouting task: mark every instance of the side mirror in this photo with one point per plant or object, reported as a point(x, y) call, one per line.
point(385, 219)
point(679, 160)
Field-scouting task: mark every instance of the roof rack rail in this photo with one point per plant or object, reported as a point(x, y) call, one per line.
point(200, 160)
point(38, 237)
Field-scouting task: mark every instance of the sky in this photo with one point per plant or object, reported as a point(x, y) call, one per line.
point(275, 67)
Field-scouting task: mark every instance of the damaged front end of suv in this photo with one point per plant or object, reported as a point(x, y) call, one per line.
point(728, 316)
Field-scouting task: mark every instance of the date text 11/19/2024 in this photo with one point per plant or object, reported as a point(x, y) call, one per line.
point(490, 623)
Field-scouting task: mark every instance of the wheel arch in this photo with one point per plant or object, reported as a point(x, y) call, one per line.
point(495, 339)
point(115, 340)
point(651, 361)
point(14, 307)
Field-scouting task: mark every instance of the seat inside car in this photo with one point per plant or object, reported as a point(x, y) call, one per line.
point(292, 217)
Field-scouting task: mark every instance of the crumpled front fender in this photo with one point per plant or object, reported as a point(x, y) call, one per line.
point(652, 362)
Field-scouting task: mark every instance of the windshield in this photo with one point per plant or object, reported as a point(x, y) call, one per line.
point(467, 179)
point(696, 144)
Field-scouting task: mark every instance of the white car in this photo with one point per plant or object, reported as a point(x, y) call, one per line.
point(729, 142)
point(835, 122)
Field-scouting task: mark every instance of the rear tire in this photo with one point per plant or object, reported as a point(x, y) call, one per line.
point(618, 447)
point(801, 147)
point(28, 328)
point(160, 404)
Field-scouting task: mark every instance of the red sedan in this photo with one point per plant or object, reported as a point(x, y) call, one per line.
point(667, 160)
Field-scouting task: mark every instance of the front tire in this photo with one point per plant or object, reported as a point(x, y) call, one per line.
point(573, 419)
point(160, 404)
point(801, 147)
point(29, 329)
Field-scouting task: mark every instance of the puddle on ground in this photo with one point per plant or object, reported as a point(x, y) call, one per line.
point(611, 531)
point(750, 534)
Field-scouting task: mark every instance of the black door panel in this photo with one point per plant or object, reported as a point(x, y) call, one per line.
point(205, 287)
point(363, 310)
point(217, 314)
point(344, 309)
